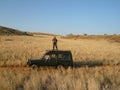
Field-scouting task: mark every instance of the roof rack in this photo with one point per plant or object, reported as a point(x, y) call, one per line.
point(58, 50)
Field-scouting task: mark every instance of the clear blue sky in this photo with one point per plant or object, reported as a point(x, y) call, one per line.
point(62, 16)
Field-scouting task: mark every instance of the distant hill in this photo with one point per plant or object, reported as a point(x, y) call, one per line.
point(39, 33)
point(114, 38)
point(11, 31)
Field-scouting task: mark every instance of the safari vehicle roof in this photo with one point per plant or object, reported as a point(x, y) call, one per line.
point(57, 51)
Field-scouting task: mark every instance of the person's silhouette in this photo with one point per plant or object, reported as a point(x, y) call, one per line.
point(54, 40)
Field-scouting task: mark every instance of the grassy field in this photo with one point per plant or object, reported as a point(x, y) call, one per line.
point(101, 53)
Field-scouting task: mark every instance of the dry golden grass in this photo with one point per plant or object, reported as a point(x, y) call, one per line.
point(97, 78)
point(16, 50)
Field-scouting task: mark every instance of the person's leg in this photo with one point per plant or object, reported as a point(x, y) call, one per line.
point(53, 46)
point(56, 47)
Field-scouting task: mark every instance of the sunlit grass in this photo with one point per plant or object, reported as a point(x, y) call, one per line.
point(16, 50)
point(99, 78)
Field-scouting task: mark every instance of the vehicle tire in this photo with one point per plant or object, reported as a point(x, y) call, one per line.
point(35, 67)
point(60, 67)
point(66, 67)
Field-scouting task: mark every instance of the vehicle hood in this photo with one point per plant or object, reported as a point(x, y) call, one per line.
point(34, 59)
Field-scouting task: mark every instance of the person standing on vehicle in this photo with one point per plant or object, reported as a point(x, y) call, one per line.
point(54, 40)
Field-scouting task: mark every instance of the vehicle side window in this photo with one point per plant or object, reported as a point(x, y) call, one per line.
point(60, 56)
point(53, 56)
point(66, 57)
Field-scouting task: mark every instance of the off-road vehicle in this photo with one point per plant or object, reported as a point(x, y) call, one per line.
point(54, 58)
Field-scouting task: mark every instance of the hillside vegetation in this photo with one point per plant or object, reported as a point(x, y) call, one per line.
point(112, 38)
point(10, 31)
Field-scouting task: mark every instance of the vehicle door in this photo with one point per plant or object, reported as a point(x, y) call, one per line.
point(45, 60)
point(64, 59)
point(53, 60)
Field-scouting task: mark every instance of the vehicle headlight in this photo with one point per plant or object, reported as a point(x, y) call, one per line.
point(29, 62)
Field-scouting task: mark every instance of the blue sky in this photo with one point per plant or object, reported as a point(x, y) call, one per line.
point(62, 16)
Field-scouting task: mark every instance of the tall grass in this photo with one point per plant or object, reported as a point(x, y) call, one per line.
point(99, 78)
point(16, 50)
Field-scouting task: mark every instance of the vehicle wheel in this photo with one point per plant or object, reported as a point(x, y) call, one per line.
point(35, 67)
point(66, 67)
point(60, 67)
